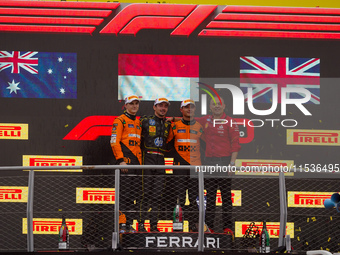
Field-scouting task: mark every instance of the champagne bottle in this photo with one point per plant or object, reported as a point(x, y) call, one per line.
point(177, 224)
point(64, 241)
point(264, 240)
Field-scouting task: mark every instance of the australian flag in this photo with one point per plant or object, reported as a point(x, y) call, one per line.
point(265, 73)
point(35, 74)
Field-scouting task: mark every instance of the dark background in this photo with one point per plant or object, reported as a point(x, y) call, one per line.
point(98, 87)
point(218, 57)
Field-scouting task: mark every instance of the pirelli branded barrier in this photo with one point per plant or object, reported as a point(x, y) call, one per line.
point(95, 195)
point(307, 199)
point(48, 160)
point(273, 228)
point(51, 226)
point(313, 137)
point(12, 194)
point(13, 131)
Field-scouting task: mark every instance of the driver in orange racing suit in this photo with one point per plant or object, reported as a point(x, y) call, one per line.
point(125, 143)
point(185, 135)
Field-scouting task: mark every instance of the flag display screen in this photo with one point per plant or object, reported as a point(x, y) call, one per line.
point(152, 76)
point(35, 74)
point(264, 73)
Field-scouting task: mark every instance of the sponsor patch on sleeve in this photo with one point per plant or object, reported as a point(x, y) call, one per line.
point(113, 138)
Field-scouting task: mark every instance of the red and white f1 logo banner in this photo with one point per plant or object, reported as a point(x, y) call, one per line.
point(181, 19)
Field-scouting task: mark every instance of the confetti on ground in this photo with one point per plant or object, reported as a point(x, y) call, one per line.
point(69, 107)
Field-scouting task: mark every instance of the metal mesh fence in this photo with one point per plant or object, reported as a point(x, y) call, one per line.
point(13, 199)
point(316, 228)
point(156, 198)
point(147, 203)
point(86, 201)
point(252, 200)
point(231, 205)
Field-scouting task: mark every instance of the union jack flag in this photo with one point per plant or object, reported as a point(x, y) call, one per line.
point(265, 73)
point(15, 60)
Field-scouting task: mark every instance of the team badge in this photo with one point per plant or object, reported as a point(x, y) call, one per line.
point(152, 122)
point(131, 126)
point(152, 129)
point(159, 141)
point(181, 131)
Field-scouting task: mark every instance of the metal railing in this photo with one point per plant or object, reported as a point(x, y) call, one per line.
point(281, 206)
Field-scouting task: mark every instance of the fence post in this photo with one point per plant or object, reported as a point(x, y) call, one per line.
point(30, 240)
point(201, 211)
point(115, 234)
point(283, 209)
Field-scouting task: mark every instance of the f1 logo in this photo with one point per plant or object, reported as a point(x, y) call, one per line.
point(92, 127)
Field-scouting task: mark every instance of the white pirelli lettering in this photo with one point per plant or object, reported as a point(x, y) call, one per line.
point(317, 137)
point(310, 199)
point(52, 162)
point(98, 195)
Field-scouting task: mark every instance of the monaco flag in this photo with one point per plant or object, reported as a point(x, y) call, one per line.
point(152, 76)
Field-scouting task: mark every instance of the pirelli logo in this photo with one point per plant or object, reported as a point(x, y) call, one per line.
point(163, 225)
point(95, 195)
point(169, 162)
point(272, 227)
point(13, 194)
point(313, 137)
point(236, 198)
point(13, 131)
point(42, 160)
point(307, 199)
point(46, 226)
point(270, 167)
